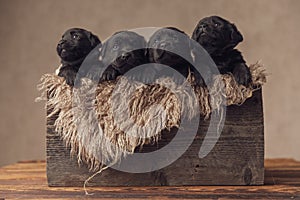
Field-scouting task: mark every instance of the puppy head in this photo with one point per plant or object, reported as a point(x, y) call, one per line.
point(123, 50)
point(164, 44)
point(216, 34)
point(75, 44)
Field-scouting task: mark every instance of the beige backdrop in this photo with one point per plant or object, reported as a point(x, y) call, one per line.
point(30, 30)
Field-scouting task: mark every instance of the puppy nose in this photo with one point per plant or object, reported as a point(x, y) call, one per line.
point(203, 26)
point(125, 56)
point(61, 42)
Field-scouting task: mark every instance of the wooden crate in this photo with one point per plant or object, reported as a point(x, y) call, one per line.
point(236, 159)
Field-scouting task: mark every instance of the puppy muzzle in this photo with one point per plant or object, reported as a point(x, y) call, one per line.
point(61, 42)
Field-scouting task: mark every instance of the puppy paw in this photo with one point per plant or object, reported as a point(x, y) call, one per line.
point(242, 75)
point(109, 74)
point(70, 80)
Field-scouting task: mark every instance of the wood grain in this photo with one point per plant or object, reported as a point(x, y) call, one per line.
point(27, 180)
point(236, 159)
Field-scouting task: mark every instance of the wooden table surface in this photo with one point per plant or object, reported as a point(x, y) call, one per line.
point(27, 180)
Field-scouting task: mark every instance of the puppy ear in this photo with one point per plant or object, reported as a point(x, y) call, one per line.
point(144, 48)
point(146, 52)
point(144, 45)
point(195, 34)
point(236, 36)
point(94, 40)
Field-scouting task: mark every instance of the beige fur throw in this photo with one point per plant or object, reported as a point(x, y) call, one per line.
point(92, 124)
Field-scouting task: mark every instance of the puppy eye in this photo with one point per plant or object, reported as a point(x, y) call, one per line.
point(75, 36)
point(115, 47)
point(217, 24)
point(156, 41)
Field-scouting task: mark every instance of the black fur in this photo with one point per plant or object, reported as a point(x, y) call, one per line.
point(162, 47)
point(219, 38)
point(75, 45)
point(121, 52)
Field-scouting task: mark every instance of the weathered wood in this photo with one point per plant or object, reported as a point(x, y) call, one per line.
point(27, 180)
point(236, 159)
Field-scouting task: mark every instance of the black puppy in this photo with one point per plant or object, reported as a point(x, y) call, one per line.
point(171, 46)
point(219, 37)
point(123, 51)
point(75, 45)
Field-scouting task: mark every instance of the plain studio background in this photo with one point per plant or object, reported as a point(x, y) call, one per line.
point(31, 29)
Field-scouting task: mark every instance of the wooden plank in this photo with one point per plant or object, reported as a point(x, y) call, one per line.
point(27, 180)
point(237, 158)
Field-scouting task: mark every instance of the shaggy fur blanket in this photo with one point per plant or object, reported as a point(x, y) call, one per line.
point(104, 122)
